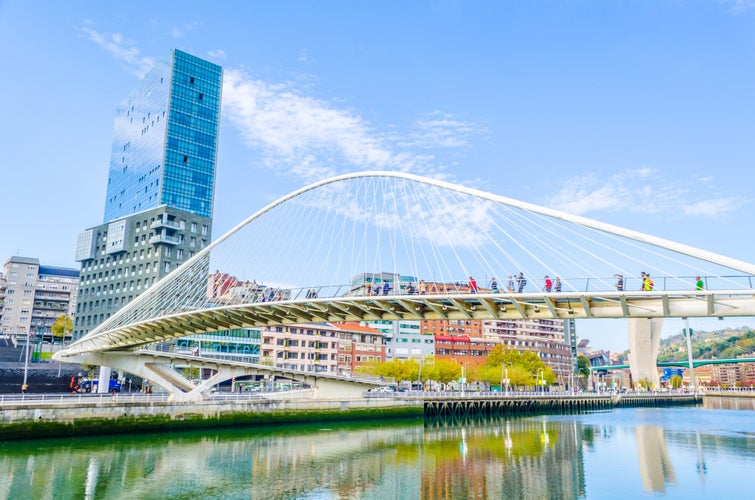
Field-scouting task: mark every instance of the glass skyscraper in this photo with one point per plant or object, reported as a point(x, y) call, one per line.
point(161, 182)
point(165, 140)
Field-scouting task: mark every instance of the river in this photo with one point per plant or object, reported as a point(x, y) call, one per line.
point(624, 453)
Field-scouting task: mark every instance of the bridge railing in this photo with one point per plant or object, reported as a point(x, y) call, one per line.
point(534, 285)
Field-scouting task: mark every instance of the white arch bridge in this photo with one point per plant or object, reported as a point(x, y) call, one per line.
point(395, 246)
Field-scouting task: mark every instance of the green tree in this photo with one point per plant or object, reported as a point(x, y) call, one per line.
point(523, 368)
point(401, 370)
point(446, 370)
point(62, 327)
point(675, 382)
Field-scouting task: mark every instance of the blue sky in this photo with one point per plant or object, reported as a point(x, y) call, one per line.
point(635, 113)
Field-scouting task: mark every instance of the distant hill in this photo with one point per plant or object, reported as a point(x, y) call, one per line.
point(720, 344)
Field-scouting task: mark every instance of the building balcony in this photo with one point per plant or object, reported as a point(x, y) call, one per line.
point(51, 306)
point(165, 223)
point(164, 239)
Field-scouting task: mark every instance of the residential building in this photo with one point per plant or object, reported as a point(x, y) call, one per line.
point(403, 339)
point(33, 296)
point(471, 327)
point(728, 375)
point(358, 345)
point(321, 347)
point(161, 182)
point(470, 341)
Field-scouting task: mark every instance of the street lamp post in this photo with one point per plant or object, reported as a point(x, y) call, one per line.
point(540, 375)
point(24, 386)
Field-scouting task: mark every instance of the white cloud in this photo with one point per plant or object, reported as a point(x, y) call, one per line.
point(217, 54)
point(737, 6)
point(123, 50)
point(713, 207)
point(296, 129)
point(439, 130)
point(641, 190)
point(180, 31)
point(305, 58)
point(312, 138)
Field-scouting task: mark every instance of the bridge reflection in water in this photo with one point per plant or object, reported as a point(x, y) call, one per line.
point(558, 456)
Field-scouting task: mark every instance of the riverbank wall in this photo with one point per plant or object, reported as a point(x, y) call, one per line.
point(730, 400)
point(93, 416)
point(81, 416)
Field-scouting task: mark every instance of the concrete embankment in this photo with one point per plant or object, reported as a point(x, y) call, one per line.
point(91, 416)
point(74, 416)
point(730, 400)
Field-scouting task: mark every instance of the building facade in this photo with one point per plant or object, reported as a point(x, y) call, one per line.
point(321, 347)
point(34, 296)
point(161, 181)
point(404, 339)
point(470, 341)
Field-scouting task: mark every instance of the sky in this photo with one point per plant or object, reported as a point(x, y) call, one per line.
point(639, 114)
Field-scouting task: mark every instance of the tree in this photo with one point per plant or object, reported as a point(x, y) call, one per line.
point(446, 370)
point(401, 370)
point(675, 382)
point(62, 327)
point(523, 367)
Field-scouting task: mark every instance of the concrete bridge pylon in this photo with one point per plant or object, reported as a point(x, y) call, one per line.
point(644, 342)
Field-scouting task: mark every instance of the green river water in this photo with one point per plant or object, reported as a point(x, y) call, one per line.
point(625, 453)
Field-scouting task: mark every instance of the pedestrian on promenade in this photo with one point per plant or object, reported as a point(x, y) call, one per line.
point(510, 284)
point(557, 285)
point(548, 284)
point(472, 285)
point(386, 288)
point(699, 285)
point(422, 287)
point(493, 285)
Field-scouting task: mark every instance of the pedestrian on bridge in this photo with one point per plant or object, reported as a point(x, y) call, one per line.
point(548, 284)
point(699, 285)
point(647, 283)
point(510, 284)
point(493, 285)
point(620, 282)
point(557, 285)
point(522, 281)
point(386, 288)
point(472, 285)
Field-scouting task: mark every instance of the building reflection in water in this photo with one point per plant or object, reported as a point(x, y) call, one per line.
point(503, 459)
point(475, 458)
point(656, 469)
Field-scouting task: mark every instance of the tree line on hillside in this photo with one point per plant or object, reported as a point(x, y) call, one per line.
point(708, 348)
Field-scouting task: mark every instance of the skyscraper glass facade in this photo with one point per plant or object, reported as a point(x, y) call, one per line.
point(161, 180)
point(165, 140)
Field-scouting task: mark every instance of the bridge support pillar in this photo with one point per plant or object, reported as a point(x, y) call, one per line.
point(644, 340)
